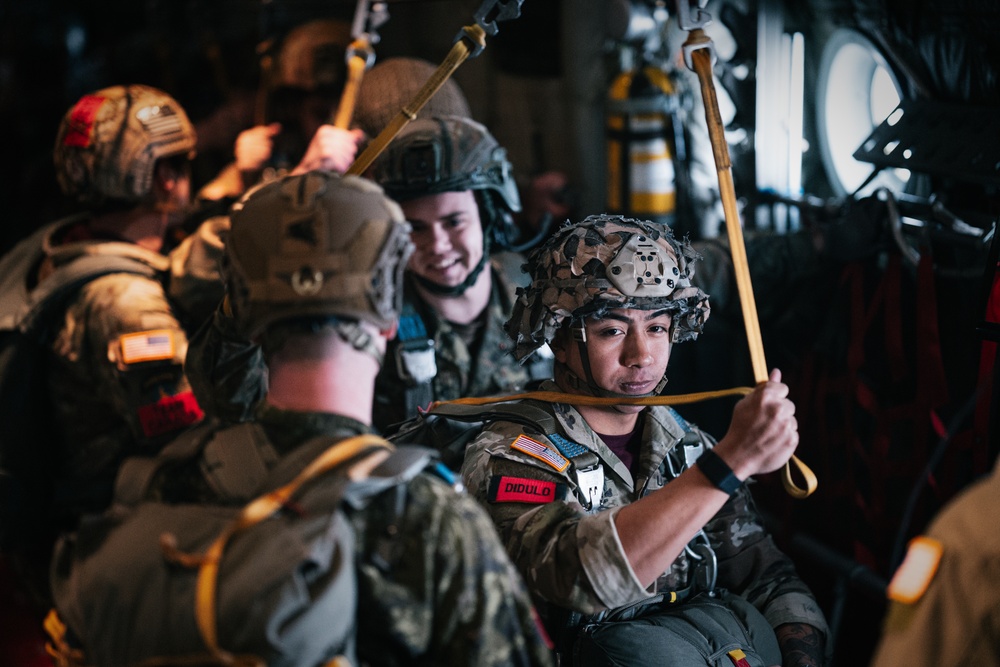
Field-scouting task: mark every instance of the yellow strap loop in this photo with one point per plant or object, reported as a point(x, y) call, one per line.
point(577, 399)
point(255, 512)
point(679, 399)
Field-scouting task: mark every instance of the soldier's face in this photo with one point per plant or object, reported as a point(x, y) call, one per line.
point(628, 351)
point(447, 235)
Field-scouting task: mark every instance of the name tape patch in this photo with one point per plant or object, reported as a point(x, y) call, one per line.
point(540, 451)
point(504, 489)
point(155, 345)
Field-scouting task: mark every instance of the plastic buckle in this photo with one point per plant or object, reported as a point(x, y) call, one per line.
point(415, 361)
point(590, 480)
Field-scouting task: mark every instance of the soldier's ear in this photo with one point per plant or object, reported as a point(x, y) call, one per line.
point(559, 343)
point(168, 171)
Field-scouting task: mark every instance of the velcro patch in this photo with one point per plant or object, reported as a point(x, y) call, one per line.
point(915, 574)
point(81, 121)
point(504, 489)
point(540, 451)
point(169, 414)
point(155, 345)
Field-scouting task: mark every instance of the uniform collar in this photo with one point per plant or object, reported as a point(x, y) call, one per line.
point(287, 429)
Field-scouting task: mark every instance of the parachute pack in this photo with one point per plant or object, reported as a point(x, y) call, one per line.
point(270, 580)
point(30, 315)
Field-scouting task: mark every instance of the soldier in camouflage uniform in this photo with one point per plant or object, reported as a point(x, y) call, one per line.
point(314, 275)
point(634, 529)
point(455, 186)
point(116, 368)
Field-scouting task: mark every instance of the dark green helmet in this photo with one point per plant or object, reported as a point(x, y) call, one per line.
point(446, 154)
point(316, 245)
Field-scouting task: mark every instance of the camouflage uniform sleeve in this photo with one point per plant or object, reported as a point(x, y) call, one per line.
point(227, 372)
point(196, 284)
point(568, 557)
point(751, 565)
point(125, 326)
point(449, 595)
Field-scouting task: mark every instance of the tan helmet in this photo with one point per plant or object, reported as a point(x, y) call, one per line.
point(316, 245)
point(605, 262)
point(110, 140)
point(312, 56)
point(391, 84)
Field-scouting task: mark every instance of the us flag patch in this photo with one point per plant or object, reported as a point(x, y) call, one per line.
point(161, 121)
point(541, 452)
point(155, 345)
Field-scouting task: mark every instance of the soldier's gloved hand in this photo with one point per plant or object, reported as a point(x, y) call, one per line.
point(858, 228)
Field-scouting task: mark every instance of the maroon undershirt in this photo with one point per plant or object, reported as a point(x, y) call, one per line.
point(625, 447)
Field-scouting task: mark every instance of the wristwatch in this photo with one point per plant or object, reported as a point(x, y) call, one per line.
point(717, 472)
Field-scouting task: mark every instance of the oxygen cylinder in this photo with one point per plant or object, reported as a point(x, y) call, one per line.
point(641, 171)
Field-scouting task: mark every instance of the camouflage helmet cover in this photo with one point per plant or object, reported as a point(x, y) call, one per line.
point(109, 141)
point(445, 154)
point(602, 263)
point(316, 245)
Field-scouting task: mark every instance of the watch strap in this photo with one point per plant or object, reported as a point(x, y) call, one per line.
point(717, 472)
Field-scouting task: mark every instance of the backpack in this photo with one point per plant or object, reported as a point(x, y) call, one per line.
point(270, 581)
point(30, 314)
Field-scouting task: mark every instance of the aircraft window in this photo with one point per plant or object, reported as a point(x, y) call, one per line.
point(857, 91)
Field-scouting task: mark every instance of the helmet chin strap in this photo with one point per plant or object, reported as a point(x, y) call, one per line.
point(353, 333)
point(588, 386)
point(470, 280)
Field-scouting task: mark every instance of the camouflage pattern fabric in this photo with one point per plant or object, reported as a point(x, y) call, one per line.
point(571, 557)
point(573, 277)
point(440, 591)
point(461, 371)
point(116, 374)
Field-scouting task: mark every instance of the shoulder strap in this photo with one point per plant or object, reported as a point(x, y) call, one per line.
point(137, 472)
point(416, 364)
point(15, 267)
point(24, 309)
point(237, 461)
point(521, 412)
